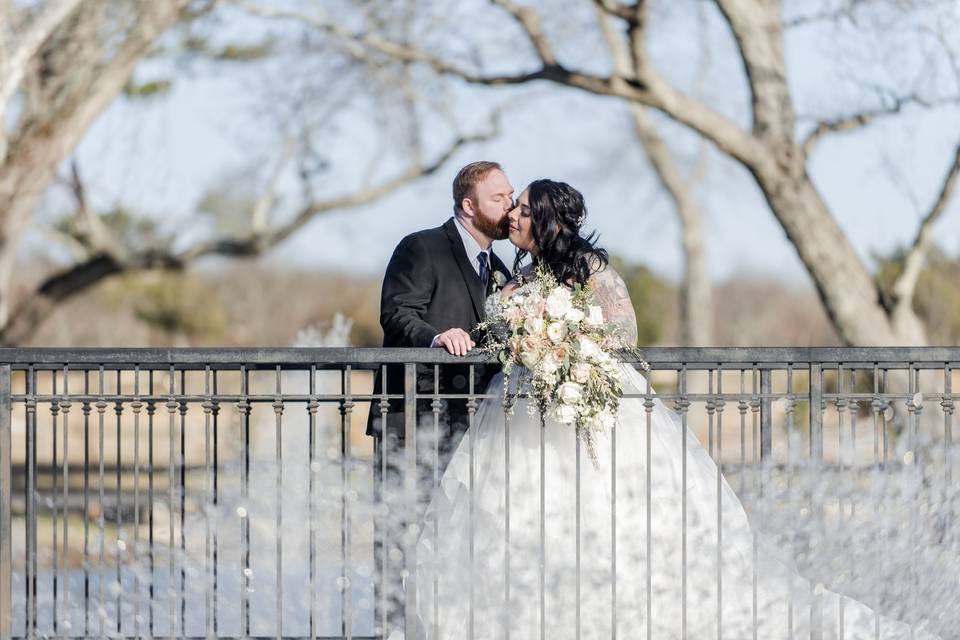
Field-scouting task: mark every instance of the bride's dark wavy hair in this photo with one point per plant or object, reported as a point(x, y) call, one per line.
point(557, 212)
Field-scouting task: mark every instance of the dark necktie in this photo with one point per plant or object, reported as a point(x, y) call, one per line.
point(484, 269)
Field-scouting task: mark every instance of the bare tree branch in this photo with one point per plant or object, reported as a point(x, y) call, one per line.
point(757, 30)
point(845, 11)
point(616, 9)
point(86, 62)
point(90, 232)
point(848, 123)
point(529, 21)
point(14, 66)
point(261, 208)
point(862, 119)
point(361, 44)
point(110, 261)
point(904, 286)
point(29, 315)
point(944, 39)
point(768, 151)
point(260, 242)
point(650, 89)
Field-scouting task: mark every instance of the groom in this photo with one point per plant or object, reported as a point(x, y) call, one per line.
point(433, 295)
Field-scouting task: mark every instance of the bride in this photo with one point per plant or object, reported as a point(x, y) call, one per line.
point(528, 537)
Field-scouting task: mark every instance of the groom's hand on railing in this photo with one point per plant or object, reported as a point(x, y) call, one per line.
point(456, 341)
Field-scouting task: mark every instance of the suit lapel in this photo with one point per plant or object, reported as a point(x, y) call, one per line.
point(470, 277)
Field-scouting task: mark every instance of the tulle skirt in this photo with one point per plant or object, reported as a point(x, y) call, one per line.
point(528, 536)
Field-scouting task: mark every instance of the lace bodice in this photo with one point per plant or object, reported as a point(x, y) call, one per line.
point(610, 293)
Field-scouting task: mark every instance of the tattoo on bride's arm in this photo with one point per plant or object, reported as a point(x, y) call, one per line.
point(612, 295)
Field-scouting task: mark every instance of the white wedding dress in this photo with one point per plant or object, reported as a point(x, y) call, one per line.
point(465, 556)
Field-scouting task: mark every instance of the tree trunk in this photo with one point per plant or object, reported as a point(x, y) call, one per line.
point(78, 72)
point(696, 294)
point(849, 293)
point(696, 301)
point(845, 286)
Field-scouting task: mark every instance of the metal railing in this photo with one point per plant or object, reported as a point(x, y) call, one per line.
point(176, 493)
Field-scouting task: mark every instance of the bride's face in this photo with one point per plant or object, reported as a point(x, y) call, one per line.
point(521, 224)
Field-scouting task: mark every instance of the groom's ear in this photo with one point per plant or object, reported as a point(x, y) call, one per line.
point(468, 207)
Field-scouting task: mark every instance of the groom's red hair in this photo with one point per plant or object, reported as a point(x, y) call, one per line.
point(465, 183)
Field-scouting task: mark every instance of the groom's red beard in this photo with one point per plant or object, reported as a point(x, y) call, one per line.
point(495, 230)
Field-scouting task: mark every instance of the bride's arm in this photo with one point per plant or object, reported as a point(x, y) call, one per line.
point(611, 294)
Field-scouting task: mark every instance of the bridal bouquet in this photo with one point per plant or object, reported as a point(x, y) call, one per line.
point(560, 338)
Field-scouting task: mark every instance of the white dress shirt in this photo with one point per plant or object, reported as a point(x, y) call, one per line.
point(473, 250)
point(472, 247)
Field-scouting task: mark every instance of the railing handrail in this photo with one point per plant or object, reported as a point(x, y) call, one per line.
point(25, 356)
point(45, 406)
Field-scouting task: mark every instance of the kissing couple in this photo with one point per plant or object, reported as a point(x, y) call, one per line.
point(519, 533)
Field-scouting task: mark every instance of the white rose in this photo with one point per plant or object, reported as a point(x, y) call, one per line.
point(534, 326)
point(531, 343)
point(565, 414)
point(595, 317)
point(604, 421)
point(530, 358)
point(570, 393)
point(550, 379)
point(574, 315)
point(612, 368)
point(559, 302)
point(556, 331)
point(530, 351)
point(589, 348)
point(580, 372)
point(534, 305)
point(549, 363)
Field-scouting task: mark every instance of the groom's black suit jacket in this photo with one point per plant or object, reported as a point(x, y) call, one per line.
point(430, 285)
